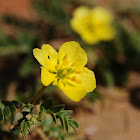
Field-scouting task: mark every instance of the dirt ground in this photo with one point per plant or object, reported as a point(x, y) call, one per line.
point(17, 8)
point(113, 118)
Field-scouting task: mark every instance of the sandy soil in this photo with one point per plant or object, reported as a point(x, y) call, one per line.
point(112, 120)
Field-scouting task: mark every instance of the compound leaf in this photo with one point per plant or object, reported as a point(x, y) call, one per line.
point(48, 103)
point(57, 108)
point(65, 113)
point(7, 112)
point(1, 116)
point(74, 124)
point(66, 125)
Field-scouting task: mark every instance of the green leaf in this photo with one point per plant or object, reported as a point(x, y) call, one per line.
point(42, 109)
point(15, 102)
point(68, 117)
point(1, 116)
point(65, 113)
point(11, 105)
point(13, 108)
point(62, 121)
point(25, 128)
point(57, 108)
point(46, 123)
point(48, 103)
point(74, 124)
point(7, 112)
point(6, 103)
point(2, 105)
point(66, 125)
point(53, 116)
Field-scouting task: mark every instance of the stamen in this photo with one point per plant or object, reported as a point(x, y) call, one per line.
point(64, 84)
point(76, 80)
point(65, 57)
point(69, 70)
point(73, 78)
point(65, 63)
point(78, 71)
point(64, 72)
point(64, 81)
point(73, 64)
point(70, 84)
point(57, 67)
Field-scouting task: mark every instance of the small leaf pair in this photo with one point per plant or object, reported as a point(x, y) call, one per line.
point(59, 112)
point(7, 109)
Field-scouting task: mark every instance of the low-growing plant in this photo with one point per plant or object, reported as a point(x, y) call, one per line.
point(64, 69)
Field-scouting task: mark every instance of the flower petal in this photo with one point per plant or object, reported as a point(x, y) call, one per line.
point(46, 56)
point(77, 88)
point(51, 52)
point(39, 55)
point(81, 11)
point(71, 54)
point(47, 77)
point(101, 16)
point(88, 79)
point(106, 33)
point(74, 93)
point(81, 17)
point(90, 37)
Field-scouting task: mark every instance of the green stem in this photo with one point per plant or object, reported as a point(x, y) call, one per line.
point(39, 93)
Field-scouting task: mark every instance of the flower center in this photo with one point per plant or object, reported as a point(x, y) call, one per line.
point(62, 73)
point(90, 27)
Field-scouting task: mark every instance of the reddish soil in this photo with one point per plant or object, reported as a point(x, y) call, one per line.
point(20, 8)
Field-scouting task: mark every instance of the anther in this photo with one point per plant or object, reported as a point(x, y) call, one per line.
point(78, 71)
point(65, 57)
point(57, 67)
point(76, 80)
point(73, 64)
point(64, 72)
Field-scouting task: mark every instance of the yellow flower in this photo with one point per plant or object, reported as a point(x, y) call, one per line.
point(66, 69)
point(93, 25)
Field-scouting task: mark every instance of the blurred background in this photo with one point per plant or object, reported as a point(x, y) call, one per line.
point(112, 110)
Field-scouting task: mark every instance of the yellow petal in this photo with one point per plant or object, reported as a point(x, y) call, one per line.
point(90, 37)
point(46, 56)
point(71, 54)
point(51, 52)
point(79, 85)
point(81, 11)
point(106, 32)
point(81, 17)
point(87, 78)
point(74, 93)
point(101, 16)
point(76, 24)
point(40, 56)
point(47, 77)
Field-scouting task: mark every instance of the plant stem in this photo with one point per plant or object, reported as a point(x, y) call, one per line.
point(39, 93)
